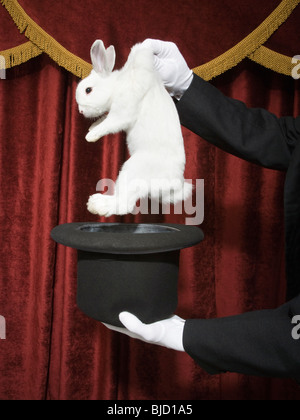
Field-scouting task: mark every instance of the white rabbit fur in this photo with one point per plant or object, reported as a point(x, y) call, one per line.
point(134, 100)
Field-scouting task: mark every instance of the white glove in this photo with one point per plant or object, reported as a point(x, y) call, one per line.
point(171, 66)
point(167, 333)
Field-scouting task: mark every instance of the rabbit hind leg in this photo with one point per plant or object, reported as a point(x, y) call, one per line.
point(101, 204)
point(117, 204)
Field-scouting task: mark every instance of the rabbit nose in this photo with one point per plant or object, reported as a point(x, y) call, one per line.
point(81, 110)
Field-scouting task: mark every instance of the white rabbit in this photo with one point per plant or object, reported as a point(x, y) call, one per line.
point(134, 100)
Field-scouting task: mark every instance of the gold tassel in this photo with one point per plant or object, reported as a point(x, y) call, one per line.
point(250, 44)
point(20, 54)
point(272, 60)
point(45, 42)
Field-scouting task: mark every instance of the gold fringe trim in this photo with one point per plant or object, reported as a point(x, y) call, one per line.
point(20, 54)
point(250, 47)
point(273, 61)
point(45, 42)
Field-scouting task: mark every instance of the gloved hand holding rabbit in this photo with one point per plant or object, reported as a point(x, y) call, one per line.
point(135, 100)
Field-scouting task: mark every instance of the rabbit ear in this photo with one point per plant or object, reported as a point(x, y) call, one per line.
point(102, 60)
point(98, 56)
point(110, 58)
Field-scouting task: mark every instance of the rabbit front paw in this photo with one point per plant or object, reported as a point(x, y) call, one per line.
point(97, 123)
point(92, 135)
point(97, 130)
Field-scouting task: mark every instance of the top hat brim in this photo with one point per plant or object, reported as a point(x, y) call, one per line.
point(123, 238)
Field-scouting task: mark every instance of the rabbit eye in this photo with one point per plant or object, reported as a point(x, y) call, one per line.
point(88, 90)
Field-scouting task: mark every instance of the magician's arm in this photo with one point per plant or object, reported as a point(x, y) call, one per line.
point(255, 135)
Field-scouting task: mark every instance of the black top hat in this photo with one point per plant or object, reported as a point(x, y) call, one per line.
point(132, 267)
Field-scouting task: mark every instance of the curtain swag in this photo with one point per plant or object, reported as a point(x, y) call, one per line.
point(250, 47)
point(20, 54)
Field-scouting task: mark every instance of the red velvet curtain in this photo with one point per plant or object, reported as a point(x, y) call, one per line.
point(52, 350)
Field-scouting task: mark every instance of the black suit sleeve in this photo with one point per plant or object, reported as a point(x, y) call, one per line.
point(252, 134)
point(260, 343)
